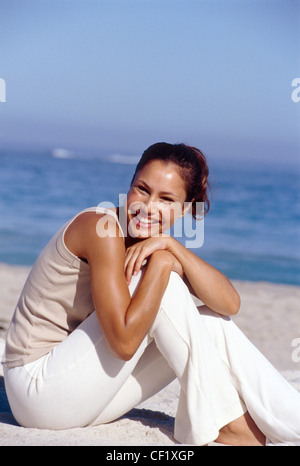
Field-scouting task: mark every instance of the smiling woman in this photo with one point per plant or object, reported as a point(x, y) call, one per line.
point(96, 331)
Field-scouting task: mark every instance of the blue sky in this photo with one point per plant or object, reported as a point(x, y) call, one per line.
point(118, 75)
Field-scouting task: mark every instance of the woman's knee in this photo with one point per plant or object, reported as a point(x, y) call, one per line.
point(176, 291)
point(177, 284)
point(176, 302)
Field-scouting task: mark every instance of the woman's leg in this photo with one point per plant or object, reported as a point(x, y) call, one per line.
point(76, 382)
point(272, 402)
point(208, 399)
point(80, 383)
point(71, 385)
point(151, 374)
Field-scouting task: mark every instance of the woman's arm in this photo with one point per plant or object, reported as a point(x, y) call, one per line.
point(207, 283)
point(124, 321)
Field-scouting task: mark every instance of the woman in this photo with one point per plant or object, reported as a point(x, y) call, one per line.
point(97, 330)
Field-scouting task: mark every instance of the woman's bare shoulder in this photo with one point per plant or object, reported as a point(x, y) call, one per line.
point(91, 232)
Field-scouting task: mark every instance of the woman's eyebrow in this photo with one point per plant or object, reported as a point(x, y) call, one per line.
point(143, 182)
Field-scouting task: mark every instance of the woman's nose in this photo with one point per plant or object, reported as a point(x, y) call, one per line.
point(150, 206)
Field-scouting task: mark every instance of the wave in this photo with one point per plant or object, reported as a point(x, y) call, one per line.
point(61, 153)
point(125, 159)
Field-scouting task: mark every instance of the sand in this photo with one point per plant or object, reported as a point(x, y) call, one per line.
point(269, 316)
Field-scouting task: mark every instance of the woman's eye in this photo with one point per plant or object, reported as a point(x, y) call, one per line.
point(166, 199)
point(142, 188)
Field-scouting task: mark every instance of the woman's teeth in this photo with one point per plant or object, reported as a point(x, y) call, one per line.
point(145, 220)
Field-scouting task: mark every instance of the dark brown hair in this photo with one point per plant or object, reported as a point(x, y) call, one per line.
point(193, 169)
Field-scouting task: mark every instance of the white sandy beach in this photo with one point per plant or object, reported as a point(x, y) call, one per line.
point(269, 316)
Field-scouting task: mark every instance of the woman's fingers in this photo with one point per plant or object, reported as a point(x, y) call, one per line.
point(137, 254)
point(133, 262)
point(129, 264)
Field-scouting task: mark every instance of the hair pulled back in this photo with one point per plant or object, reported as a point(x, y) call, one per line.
point(192, 165)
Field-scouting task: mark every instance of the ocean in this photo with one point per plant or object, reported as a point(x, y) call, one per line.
point(251, 232)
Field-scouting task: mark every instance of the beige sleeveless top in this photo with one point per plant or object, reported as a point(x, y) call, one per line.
point(56, 298)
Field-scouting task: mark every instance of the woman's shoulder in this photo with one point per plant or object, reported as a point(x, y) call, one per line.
point(91, 229)
point(101, 220)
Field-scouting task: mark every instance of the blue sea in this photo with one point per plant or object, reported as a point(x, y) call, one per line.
point(252, 231)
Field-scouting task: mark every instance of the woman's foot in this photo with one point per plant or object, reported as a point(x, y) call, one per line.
point(242, 432)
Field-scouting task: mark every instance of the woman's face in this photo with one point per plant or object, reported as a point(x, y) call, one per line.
point(155, 199)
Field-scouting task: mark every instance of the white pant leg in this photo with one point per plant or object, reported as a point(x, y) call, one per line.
point(208, 399)
point(151, 374)
point(70, 386)
point(271, 401)
point(73, 384)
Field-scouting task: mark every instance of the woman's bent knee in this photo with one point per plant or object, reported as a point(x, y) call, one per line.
point(176, 303)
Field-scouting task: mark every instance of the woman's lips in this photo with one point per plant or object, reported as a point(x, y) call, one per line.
point(143, 221)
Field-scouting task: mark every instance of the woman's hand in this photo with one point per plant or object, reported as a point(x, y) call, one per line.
point(137, 255)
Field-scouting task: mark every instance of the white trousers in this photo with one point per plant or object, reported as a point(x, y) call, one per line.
point(221, 375)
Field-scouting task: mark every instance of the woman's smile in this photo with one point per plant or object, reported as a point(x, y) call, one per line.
point(144, 221)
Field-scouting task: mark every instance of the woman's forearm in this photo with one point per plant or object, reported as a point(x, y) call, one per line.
point(208, 283)
point(144, 305)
